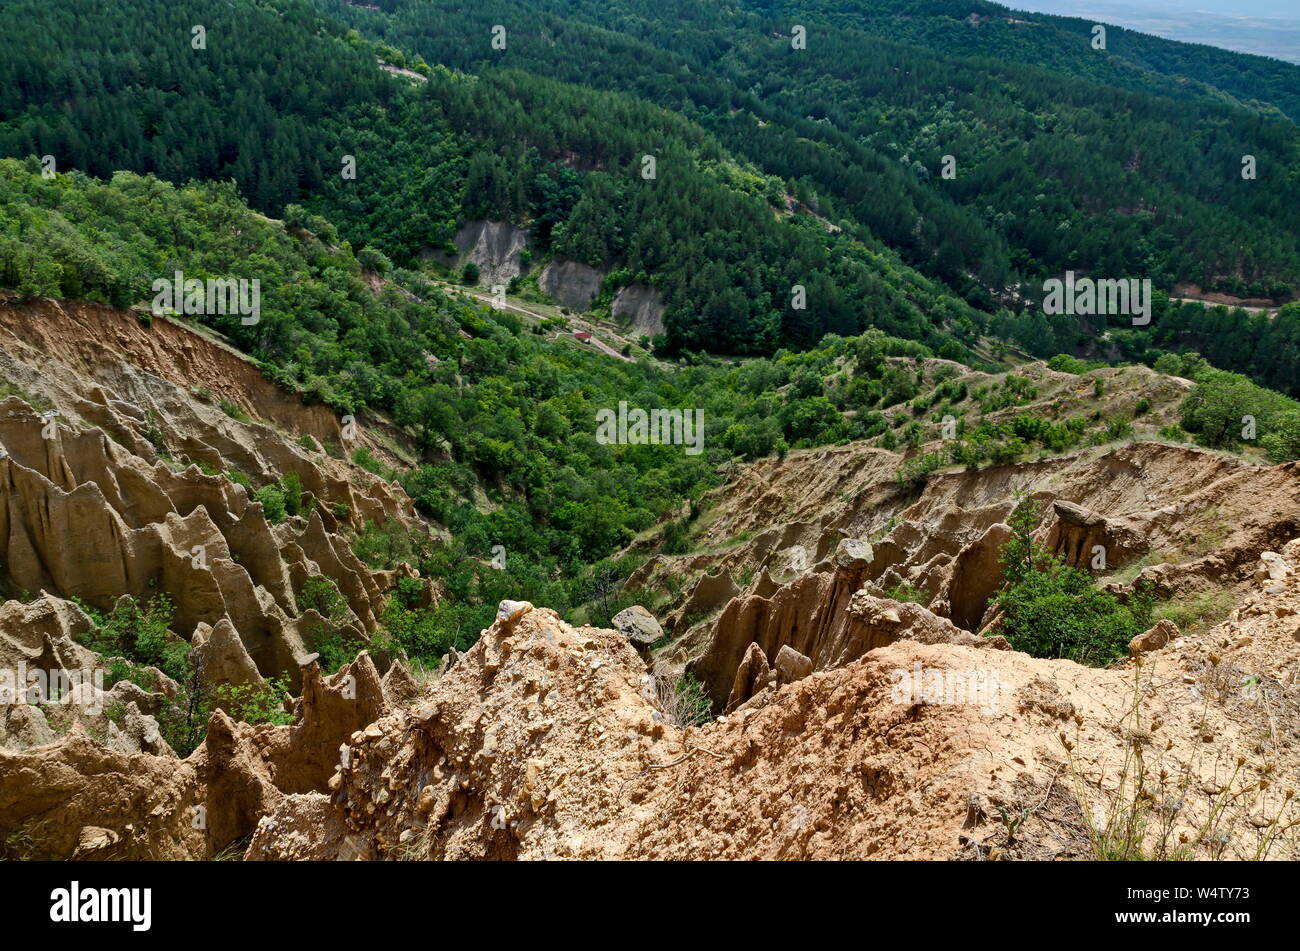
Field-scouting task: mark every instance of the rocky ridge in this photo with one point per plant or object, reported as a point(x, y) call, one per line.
point(543, 742)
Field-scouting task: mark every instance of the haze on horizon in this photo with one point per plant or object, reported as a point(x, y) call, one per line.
point(1263, 27)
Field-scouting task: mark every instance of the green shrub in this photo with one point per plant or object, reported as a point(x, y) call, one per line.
point(234, 412)
point(1216, 409)
point(336, 648)
point(366, 460)
point(137, 636)
point(255, 703)
point(1050, 609)
point(273, 502)
point(914, 473)
point(375, 260)
point(322, 595)
point(905, 591)
point(1064, 363)
point(1282, 441)
point(690, 705)
point(426, 634)
point(385, 546)
point(293, 495)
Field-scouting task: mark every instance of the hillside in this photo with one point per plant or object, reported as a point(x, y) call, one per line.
point(625, 430)
point(853, 129)
point(223, 550)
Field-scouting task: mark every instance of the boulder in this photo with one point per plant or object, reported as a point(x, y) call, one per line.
point(752, 675)
point(1272, 567)
point(510, 611)
point(792, 665)
point(638, 625)
point(1154, 639)
point(976, 574)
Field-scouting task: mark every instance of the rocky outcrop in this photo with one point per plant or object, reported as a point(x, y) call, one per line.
point(495, 754)
point(109, 486)
point(809, 614)
point(641, 307)
point(824, 617)
point(710, 592)
point(166, 394)
point(495, 247)
point(570, 284)
point(51, 793)
point(975, 576)
point(1083, 537)
point(543, 743)
point(131, 798)
point(1154, 639)
point(1192, 520)
point(83, 517)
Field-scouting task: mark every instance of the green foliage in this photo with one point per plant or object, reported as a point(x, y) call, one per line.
point(234, 412)
point(335, 647)
point(385, 545)
point(330, 637)
point(914, 473)
point(261, 702)
point(35, 401)
point(1218, 408)
point(291, 485)
point(427, 634)
point(1065, 363)
point(1050, 609)
point(322, 595)
point(900, 84)
point(366, 460)
point(844, 146)
point(691, 702)
point(274, 506)
point(1282, 441)
point(905, 591)
point(1188, 365)
point(138, 635)
point(372, 259)
point(131, 637)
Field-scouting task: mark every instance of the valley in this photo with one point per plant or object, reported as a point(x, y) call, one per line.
point(674, 431)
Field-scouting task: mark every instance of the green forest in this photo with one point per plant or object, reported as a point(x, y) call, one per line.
point(776, 167)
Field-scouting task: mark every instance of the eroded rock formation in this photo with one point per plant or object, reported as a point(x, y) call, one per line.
point(78, 796)
point(542, 743)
